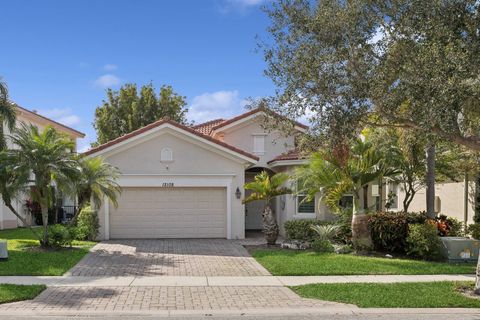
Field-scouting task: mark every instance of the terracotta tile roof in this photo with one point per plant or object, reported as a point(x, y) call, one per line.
point(206, 127)
point(81, 134)
point(290, 155)
point(176, 124)
point(249, 113)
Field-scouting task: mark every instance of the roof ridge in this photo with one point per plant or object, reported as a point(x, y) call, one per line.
point(176, 124)
point(48, 119)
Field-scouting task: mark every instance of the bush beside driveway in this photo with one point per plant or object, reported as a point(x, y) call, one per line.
point(27, 258)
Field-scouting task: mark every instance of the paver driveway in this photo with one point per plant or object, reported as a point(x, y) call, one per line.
point(169, 257)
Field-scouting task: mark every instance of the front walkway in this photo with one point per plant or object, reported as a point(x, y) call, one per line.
point(133, 299)
point(168, 257)
point(264, 281)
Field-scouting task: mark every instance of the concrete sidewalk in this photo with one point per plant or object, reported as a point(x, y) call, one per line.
point(203, 281)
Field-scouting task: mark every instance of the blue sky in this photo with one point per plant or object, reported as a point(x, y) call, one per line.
point(58, 57)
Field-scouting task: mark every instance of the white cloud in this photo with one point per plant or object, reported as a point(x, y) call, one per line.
point(110, 67)
point(106, 81)
point(241, 6)
point(64, 116)
point(214, 105)
point(85, 143)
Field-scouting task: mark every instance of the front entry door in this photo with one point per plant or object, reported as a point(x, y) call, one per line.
point(253, 213)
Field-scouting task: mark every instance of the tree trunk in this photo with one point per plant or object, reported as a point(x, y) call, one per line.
point(270, 225)
point(44, 241)
point(29, 226)
point(465, 202)
point(477, 279)
point(361, 238)
point(409, 194)
point(430, 181)
point(381, 205)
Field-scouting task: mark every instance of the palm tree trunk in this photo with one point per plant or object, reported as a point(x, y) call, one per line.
point(477, 279)
point(270, 225)
point(361, 238)
point(430, 180)
point(44, 242)
point(24, 221)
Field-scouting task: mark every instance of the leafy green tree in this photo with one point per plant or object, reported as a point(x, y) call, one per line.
point(398, 63)
point(334, 176)
point(48, 156)
point(266, 187)
point(129, 109)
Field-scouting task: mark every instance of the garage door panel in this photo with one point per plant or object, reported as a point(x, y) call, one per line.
point(169, 213)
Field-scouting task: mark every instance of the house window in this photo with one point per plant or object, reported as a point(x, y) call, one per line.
point(304, 205)
point(346, 202)
point(259, 144)
point(392, 196)
point(166, 155)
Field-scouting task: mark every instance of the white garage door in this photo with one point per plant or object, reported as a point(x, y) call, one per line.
point(169, 213)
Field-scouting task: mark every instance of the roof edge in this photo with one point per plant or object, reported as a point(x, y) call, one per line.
point(175, 124)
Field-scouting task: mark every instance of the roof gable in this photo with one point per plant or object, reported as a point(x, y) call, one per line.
point(155, 126)
point(252, 113)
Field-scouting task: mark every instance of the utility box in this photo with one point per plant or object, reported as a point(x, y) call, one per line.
point(458, 249)
point(3, 250)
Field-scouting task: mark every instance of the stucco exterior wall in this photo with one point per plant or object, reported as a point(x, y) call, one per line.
point(7, 219)
point(276, 143)
point(451, 200)
point(194, 162)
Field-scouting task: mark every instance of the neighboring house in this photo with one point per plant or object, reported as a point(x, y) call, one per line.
point(188, 182)
point(8, 219)
point(449, 199)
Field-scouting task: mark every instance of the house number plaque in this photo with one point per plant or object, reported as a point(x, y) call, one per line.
point(167, 184)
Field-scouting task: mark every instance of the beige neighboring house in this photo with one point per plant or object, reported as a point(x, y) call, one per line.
point(449, 199)
point(8, 219)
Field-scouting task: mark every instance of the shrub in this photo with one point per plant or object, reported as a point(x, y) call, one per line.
point(389, 231)
point(300, 229)
point(87, 224)
point(322, 246)
point(325, 232)
point(450, 227)
point(423, 241)
point(60, 235)
point(345, 222)
point(474, 230)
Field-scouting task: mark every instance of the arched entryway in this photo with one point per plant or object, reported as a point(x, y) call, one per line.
point(253, 210)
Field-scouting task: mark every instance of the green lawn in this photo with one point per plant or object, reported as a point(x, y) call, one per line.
point(14, 292)
point(392, 295)
point(26, 258)
point(307, 263)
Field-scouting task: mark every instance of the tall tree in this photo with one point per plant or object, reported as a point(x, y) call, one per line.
point(129, 109)
point(7, 113)
point(402, 63)
point(48, 156)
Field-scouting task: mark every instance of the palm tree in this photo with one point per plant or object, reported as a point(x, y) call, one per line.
point(266, 187)
point(7, 113)
point(335, 177)
point(48, 156)
point(96, 179)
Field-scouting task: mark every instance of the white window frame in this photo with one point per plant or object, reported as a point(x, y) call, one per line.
point(393, 187)
point(305, 214)
point(259, 148)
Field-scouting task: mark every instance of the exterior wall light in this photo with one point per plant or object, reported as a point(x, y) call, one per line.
point(238, 193)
